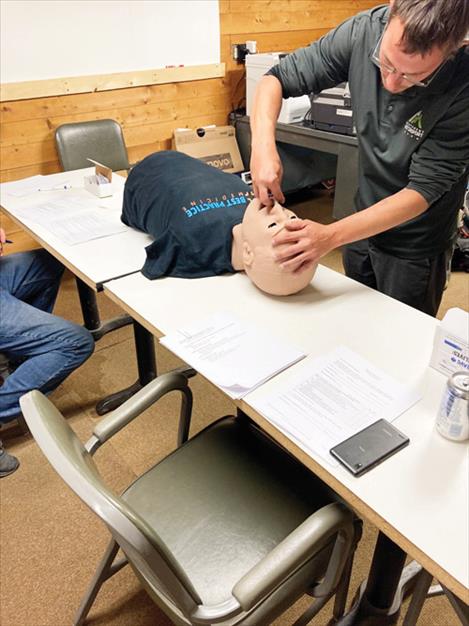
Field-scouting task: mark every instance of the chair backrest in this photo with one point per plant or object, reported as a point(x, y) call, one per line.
point(100, 140)
point(144, 549)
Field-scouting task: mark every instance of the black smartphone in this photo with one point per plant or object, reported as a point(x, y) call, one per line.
point(370, 446)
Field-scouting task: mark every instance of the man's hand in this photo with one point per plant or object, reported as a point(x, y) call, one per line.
point(266, 173)
point(302, 243)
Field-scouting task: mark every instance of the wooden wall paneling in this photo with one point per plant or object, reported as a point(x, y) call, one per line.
point(36, 130)
point(295, 6)
point(29, 170)
point(106, 82)
point(101, 101)
point(149, 114)
point(21, 240)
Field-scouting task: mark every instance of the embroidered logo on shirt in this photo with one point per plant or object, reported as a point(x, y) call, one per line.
point(414, 126)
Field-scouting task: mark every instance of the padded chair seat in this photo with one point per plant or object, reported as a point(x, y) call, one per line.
point(193, 497)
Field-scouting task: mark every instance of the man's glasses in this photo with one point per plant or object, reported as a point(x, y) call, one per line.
point(389, 69)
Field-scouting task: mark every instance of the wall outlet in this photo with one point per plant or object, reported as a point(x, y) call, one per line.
point(240, 50)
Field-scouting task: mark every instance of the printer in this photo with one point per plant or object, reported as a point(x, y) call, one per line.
point(293, 109)
point(331, 110)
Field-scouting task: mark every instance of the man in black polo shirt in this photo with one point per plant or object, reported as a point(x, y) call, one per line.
point(408, 71)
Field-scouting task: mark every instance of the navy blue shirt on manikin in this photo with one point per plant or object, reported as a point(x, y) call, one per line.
point(190, 209)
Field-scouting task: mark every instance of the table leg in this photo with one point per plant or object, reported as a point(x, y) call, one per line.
point(378, 600)
point(461, 608)
point(346, 183)
point(146, 364)
point(90, 312)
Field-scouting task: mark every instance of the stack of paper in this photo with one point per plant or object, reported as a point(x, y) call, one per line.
point(332, 398)
point(233, 354)
point(27, 186)
point(71, 220)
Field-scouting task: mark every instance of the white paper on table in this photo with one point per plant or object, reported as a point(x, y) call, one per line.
point(49, 211)
point(23, 187)
point(27, 186)
point(71, 220)
point(233, 354)
point(84, 227)
point(334, 397)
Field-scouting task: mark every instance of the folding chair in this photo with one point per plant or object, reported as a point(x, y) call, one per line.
point(103, 141)
point(228, 529)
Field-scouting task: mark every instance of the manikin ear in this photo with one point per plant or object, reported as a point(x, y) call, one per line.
point(248, 255)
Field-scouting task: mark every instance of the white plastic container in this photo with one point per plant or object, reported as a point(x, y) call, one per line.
point(451, 343)
point(293, 109)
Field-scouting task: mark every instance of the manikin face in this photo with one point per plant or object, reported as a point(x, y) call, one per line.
point(260, 225)
point(401, 70)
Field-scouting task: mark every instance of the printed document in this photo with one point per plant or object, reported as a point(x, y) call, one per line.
point(332, 398)
point(27, 186)
point(71, 220)
point(231, 353)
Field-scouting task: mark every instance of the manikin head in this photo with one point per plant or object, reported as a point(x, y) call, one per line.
point(259, 226)
point(419, 37)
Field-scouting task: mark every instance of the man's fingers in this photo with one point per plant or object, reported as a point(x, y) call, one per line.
point(295, 264)
point(287, 237)
point(287, 252)
point(264, 196)
point(295, 224)
point(277, 192)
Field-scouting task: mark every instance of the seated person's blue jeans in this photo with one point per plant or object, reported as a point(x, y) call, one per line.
point(47, 348)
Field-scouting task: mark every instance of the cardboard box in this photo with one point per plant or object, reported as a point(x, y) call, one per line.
point(451, 343)
point(215, 145)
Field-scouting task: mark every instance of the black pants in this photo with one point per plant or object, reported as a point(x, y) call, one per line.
point(416, 282)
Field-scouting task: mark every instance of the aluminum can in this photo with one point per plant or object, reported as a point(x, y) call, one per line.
point(453, 416)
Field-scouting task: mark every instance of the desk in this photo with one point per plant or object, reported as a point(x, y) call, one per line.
point(92, 262)
point(419, 497)
point(302, 134)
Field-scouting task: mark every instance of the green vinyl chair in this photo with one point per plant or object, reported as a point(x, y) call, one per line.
point(228, 529)
point(103, 141)
point(100, 140)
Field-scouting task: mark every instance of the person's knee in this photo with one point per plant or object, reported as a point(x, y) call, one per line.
point(75, 342)
point(84, 343)
point(53, 266)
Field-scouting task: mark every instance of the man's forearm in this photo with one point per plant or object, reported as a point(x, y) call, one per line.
point(266, 167)
point(392, 211)
point(265, 111)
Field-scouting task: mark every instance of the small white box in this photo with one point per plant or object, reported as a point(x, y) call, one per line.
point(451, 343)
point(100, 189)
point(99, 183)
point(293, 109)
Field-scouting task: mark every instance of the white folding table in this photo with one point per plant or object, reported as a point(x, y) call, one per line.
point(92, 262)
point(419, 498)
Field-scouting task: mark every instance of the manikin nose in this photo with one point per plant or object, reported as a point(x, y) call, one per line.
point(278, 210)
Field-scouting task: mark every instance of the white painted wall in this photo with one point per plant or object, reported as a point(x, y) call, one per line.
point(43, 39)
